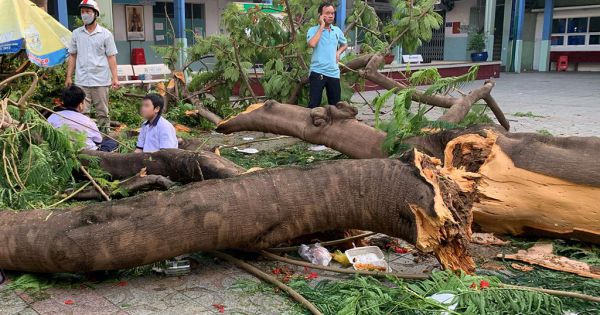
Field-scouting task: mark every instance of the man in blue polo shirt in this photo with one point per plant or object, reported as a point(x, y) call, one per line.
point(156, 133)
point(329, 43)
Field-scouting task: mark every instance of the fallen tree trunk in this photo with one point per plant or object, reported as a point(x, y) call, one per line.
point(333, 126)
point(530, 183)
point(128, 187)
point(179, 165)
point(408, 200)
point(368, 67)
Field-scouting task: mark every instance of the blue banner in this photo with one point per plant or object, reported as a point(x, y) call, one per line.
point(49, 60)
point(11, 47)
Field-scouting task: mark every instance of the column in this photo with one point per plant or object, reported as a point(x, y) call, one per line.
point(488, 27)
point(340, 14)
point(518, 36)
point(63, 16)
point(180, 39)
point(504, 56)
point(106, 13)
point(544, 59)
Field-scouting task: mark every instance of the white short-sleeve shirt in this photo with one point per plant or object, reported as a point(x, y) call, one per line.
point(92, 50)
point(157, 134)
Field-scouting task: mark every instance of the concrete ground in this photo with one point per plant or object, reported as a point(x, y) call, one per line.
point(564, 104)
point(561, 103)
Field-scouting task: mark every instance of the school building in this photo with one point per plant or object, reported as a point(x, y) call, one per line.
point(522, 35)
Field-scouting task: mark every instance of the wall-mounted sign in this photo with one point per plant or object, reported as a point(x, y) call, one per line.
point(134, 15)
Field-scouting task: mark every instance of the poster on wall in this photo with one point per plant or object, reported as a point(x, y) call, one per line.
point(134, 15)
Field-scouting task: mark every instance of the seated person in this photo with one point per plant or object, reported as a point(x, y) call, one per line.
point(156, 133)
point(70, 115)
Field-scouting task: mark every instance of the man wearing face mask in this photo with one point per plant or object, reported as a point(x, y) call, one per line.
point(93, 54)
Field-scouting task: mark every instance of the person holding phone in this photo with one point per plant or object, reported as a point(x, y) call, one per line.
point(328, 43)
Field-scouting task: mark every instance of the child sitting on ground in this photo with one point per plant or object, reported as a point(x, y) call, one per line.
point(156, 133)
point(69, 114)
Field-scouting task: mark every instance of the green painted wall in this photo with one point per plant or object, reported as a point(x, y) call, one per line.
point(455, 49)
point(124, 56)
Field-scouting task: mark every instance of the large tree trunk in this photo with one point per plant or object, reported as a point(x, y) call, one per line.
point(410, 200)
point(530, 183)
point(179, 165)
point(333, 126)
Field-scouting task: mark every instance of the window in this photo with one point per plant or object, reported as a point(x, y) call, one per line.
point(576, 40)
point(575, 31)
point(558, 40)
point(558, 25)
point(595, 24)
point(194, 22)
point(577, 25)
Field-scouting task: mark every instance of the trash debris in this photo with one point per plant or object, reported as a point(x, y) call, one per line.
point(487, 239)
point(341, 258)
point(541, 254)
point(367, 258)
point(317, 148)
point(521, 267)
point(447, 299)
point(247, 138)
point(248, 150)
point(316, 254)
point(174, 267)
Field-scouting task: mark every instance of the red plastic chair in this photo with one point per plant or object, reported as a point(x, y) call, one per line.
point(563, 63)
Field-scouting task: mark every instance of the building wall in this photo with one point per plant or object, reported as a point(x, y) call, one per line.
point(561, 13)
point(455, 45)
point(529, 43)
point(213, 10)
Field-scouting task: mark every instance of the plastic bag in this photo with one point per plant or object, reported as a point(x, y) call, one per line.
point(316, 254)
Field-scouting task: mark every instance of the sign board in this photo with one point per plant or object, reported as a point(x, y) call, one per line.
point(265, 7)
point(412, 59)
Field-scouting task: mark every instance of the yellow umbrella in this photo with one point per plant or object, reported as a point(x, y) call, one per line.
point(23, 25)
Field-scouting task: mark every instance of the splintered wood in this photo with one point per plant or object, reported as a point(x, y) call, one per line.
point(541, 254)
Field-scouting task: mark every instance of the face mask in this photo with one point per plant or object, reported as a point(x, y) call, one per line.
point(88, 18)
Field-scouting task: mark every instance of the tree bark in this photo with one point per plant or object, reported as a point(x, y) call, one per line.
point(532, 184)
point(333, 126)
point(254, 211)
point(179, 165)
point(458, 106)
point(128, 187)
point(529, 183)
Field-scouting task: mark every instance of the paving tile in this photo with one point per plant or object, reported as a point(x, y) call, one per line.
point(10, 303)
point(74, 301)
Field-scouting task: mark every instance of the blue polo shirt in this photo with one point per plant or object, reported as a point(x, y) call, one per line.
point(323, 57)
point(156, 135)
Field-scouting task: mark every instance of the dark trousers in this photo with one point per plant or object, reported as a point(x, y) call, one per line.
point(318, 82)
point(108, 145)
